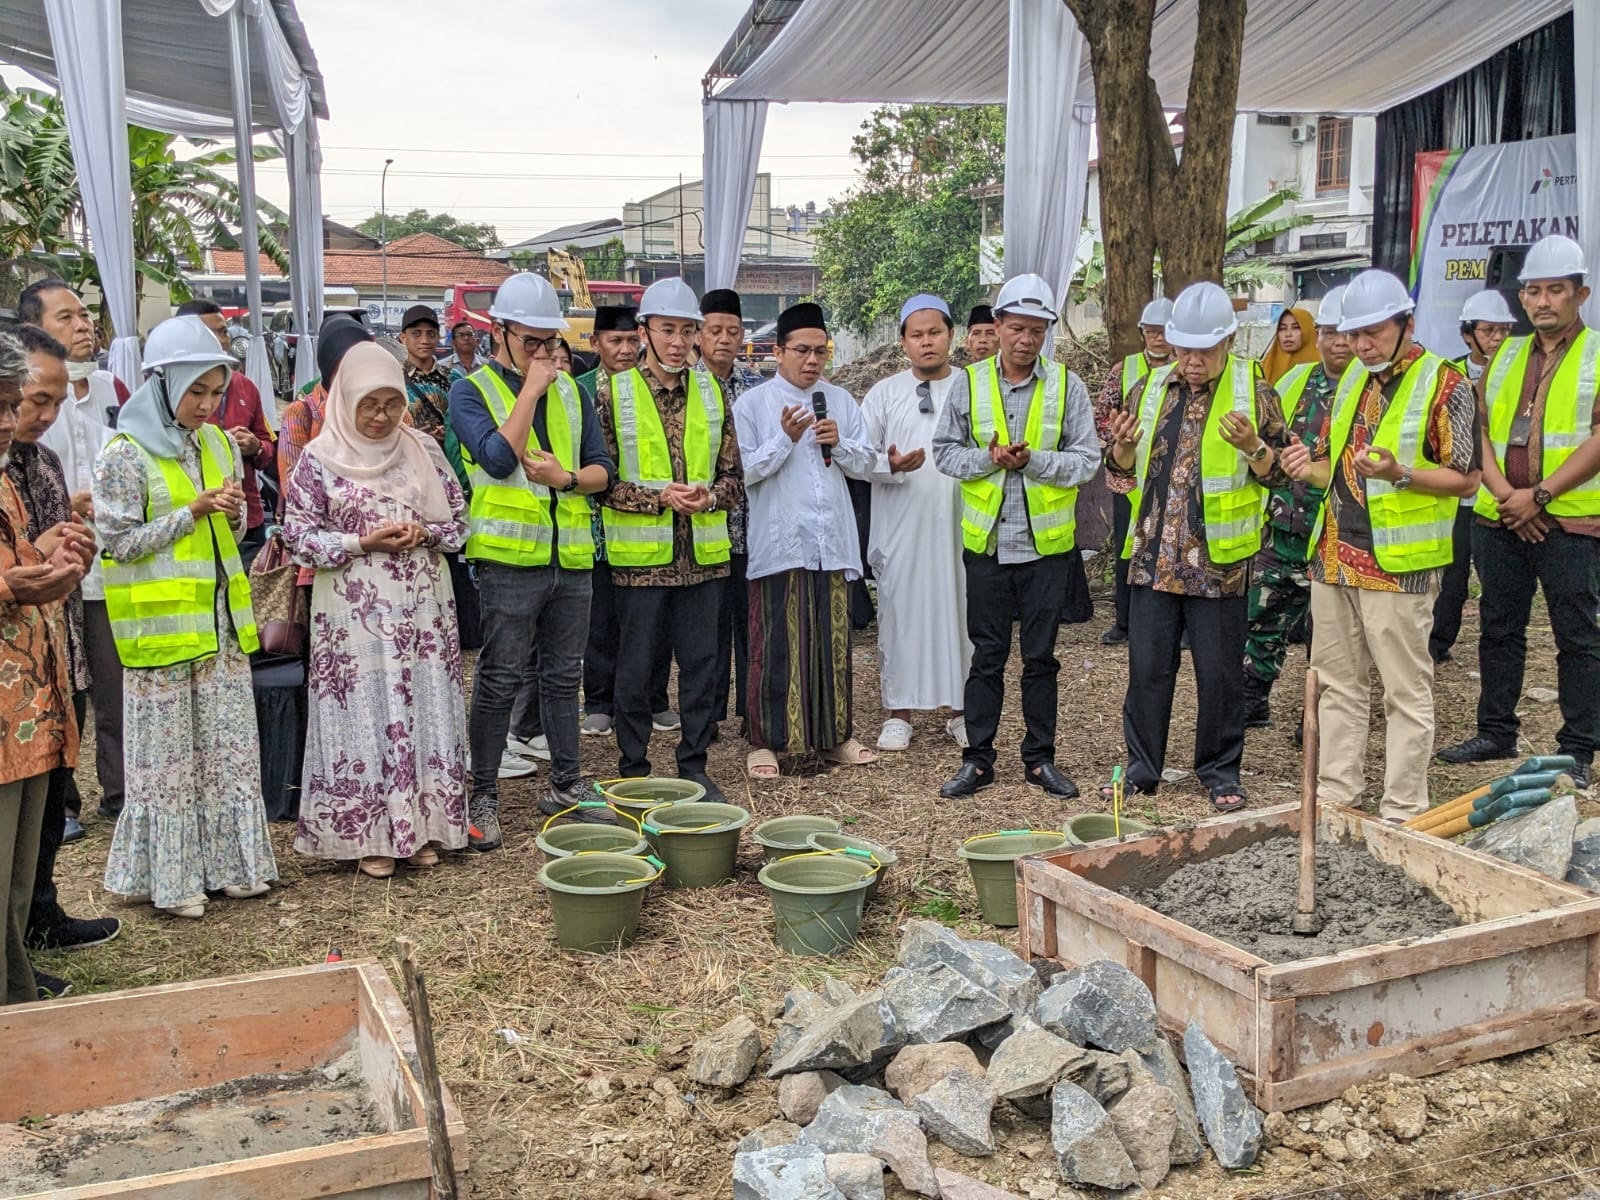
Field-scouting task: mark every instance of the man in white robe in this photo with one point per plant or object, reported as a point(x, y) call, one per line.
point(915, 551)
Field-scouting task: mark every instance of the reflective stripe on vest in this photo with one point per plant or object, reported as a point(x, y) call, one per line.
point(1134, 369)
point(1052, 511)
point(1411, 531)
point(645, 539)
point(508, 520)
point(162, 606)
point(1291, 386)
point(1232, 501)
point(1568, 415)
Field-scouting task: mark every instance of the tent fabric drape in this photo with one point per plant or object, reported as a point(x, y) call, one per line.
point(304, 153)
point(1585, 46)
point(257, 365)
point(733, 132)
point(1047, 144)
point(90, 32)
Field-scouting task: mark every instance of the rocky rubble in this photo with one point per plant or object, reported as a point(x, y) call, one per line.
point(959, 1028)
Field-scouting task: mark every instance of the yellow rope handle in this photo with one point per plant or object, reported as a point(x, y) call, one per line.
point(852, 851)
point(658, 829)
point(978, 837)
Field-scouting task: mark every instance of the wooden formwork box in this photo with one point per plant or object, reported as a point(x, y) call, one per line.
point(113, 1048)
point(1522, 971)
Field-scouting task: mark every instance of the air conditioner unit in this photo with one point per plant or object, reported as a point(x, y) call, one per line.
point(1299, 134)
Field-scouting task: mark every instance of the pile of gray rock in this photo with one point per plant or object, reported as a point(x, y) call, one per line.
point(957, 1028)
point(1550, 840)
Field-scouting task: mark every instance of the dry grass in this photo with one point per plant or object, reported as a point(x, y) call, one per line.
point(569, 1112)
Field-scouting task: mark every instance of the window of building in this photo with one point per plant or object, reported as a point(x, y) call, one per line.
point(1333, 154)
point(1273, 119)
point(1324, 241)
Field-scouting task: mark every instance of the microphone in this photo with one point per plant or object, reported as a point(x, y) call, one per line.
point(819, 406)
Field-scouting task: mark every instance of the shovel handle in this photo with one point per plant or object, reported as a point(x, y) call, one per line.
point(1448, 810)
point(1306, 893)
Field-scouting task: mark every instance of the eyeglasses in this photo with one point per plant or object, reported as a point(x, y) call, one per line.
point(533, 343)
point(924, 397)
point(820, 353)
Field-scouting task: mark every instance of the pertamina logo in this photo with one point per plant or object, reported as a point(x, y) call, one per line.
point(1548, 178)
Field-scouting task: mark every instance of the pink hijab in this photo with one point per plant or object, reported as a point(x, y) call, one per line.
point(350, 454)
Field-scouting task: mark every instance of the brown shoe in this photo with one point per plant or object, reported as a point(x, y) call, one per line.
point(426, 857)
point(376, 866)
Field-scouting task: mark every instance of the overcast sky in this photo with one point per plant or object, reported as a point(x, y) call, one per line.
point(531, 114)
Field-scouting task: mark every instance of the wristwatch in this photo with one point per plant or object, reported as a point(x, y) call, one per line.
point(1542, 496)
point(572, 482)
point(1259, 452)
point(1404, 481)
point(712, 507)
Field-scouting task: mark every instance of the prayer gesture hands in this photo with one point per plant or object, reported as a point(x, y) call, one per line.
point(44, 583)
point(1238, 432)
point(225, 500)
point(1296, 460)
point(686, 498)
point(900, 463)
point(249, 445)
point(540, 466)
point(68, 543)
point(1008, 458)
point(394, 537)
point(796, 419)
point(1377, 463)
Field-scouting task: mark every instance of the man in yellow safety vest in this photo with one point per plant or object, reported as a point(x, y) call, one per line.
point(534, 454)
point(1538, 513)
point(1402, 450)
point(1018, 432)
point(671, 435)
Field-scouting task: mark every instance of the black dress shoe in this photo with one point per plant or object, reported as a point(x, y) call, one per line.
point(713, 792)
point(970, 779)
point(1115, 636)
point(1049, 777)
point(1477, 749)
point(1580, 773)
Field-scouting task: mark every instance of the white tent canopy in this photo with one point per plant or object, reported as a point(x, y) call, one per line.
point(196, 67)
point(1321, 56)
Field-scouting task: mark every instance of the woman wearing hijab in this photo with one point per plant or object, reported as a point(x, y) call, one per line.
point(374, 507)
point(169, 509)
point(1294, 343)
point(302, 419)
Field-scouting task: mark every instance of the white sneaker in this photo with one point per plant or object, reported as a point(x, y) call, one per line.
point(595, 725)
point(513, 766)
point(534, 747)
point(896, 735)
point(956, 727)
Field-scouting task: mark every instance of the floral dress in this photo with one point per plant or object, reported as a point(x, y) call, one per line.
point(193, 820)
point(385, 760)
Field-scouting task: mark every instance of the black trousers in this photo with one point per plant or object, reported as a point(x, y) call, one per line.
point(656, 623)
point(998, 595)
point(1121, 516)
point(862, 612)
point(1156, 623)
point(1567, 567)
point(600, 655)
point(733, 639)
point(1452, 595)
point(105, 691)
point(61, 794)
point(469, 622)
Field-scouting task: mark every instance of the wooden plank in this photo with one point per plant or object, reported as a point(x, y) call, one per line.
point(1453, 947)
point(342, 1168)
point(387, 1023)
point(115, 1047)
point(1592, 984)
point(1227, 1016)
point(1142, 962)
point(1045, 943)
point(1492, 1038)
point(1212, 957)
point(1275, 1056)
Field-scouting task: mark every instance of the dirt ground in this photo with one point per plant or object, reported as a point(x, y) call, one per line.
point(569, 1068)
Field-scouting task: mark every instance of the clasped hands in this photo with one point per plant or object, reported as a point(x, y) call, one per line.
point(68, 550)
point(394, 537)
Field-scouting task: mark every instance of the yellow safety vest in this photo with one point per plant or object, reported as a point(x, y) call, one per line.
point(1232, 501)
point(508, 520)
point(1134, 369)
point(162, 606)
point(645, 539)
point(1052, 510)
point(1291, 386)
point(1411, 531)
point(1568, 414)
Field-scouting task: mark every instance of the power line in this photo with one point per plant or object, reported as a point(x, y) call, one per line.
point(552, 153)
point(540, 176)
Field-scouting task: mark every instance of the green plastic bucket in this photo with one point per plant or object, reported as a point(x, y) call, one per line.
point(698, 841)
point(1097, 827)
point(848, 841)
point(595, 898)
point(992, 860)
point(635, 797)
point(783, 836)
point(560, 841)
point(816, 900)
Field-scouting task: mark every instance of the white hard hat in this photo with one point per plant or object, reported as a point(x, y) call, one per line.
point(1201, 317)
point(184, 340)
point(1487, 305)
point(1371, 297)
point(528, 299)
point(1027, 296)
point(1553, 257)
point(1157, 312)
point(670, 298)
point(1331, 308)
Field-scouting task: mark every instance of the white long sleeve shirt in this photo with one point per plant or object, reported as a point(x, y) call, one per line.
point(77, 435)
point(800, 514)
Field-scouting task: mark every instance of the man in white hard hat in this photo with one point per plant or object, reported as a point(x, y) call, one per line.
point(671, 434)
point(1402, 451)
point(1200, 444)
point(1119, 384)
point(915, 541)
point(1280, 591)
point(1538, 514)
point(1018, 432)
point(534, 454)
point(1486, 321)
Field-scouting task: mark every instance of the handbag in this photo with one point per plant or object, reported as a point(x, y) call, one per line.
point(282, 604)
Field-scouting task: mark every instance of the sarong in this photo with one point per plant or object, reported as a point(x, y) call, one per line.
point(798, 699)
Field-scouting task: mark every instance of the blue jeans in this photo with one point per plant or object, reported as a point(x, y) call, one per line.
point(520, 607)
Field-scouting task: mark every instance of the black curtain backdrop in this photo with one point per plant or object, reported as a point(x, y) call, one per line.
point(1524, 91)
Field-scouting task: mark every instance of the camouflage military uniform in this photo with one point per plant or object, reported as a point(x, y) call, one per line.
point(1280, 593)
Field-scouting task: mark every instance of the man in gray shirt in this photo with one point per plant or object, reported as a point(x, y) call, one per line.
point(1018, 432)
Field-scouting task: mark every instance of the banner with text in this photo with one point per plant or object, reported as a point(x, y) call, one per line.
point(1465, 203)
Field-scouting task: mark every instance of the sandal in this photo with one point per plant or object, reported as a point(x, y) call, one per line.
point(426, 857)
point(761, 764)
point(848, 754)
point(1108, 793)
point(377, 866)
point(1228, 797)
